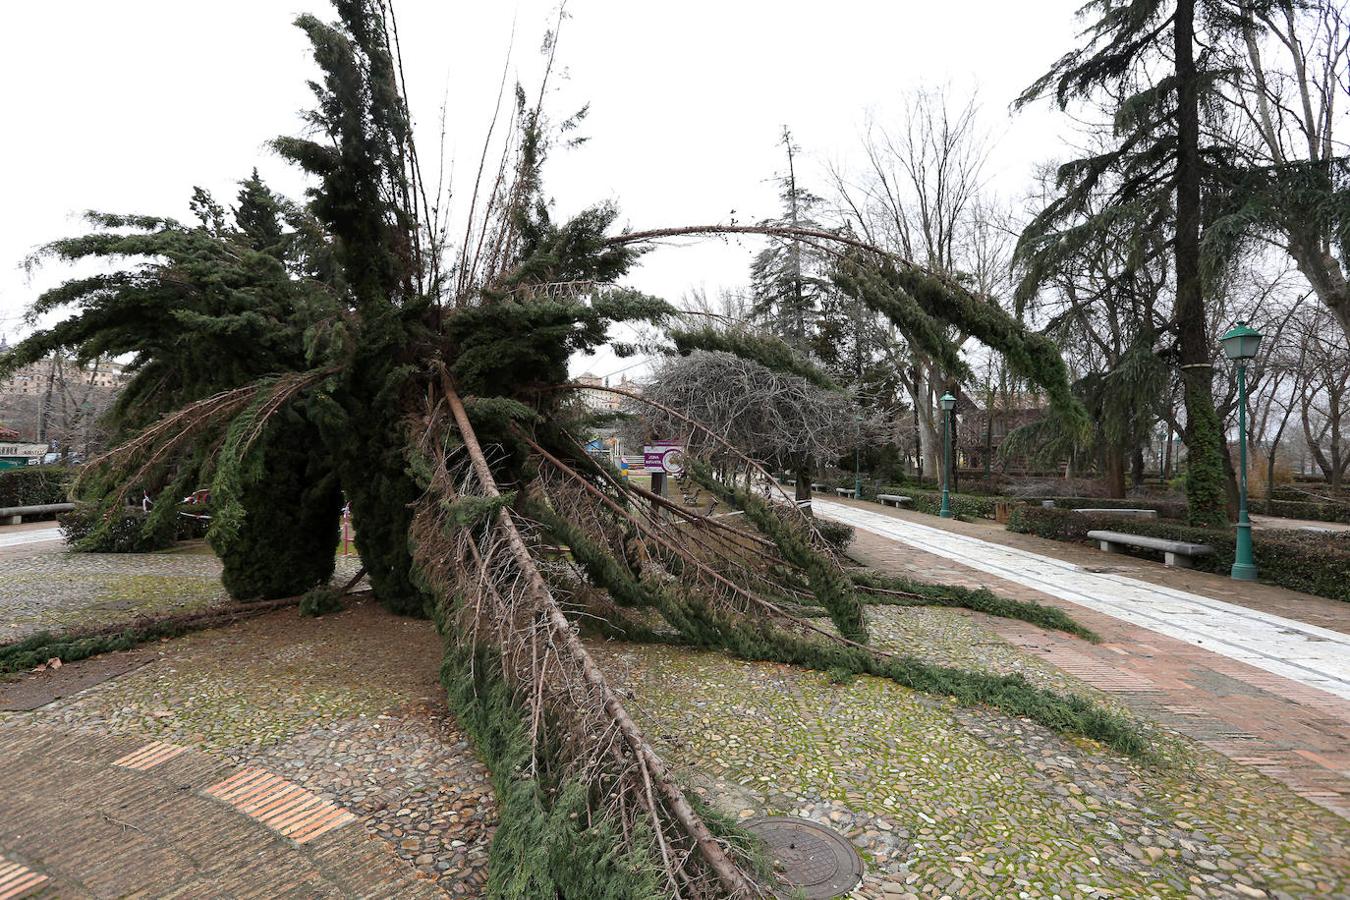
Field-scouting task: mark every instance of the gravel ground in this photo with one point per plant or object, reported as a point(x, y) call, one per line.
point(52, 588)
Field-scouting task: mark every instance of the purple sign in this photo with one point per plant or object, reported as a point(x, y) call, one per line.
point(663, 457)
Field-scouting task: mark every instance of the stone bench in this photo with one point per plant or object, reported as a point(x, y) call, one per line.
point(1123, 513)
point(846, 492)
point(13, 515)
point(893, 500)
point(1175, 553)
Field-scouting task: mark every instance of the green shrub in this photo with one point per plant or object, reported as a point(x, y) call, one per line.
point(34, 485)
point(320, 601)
point(89, 529)
point(279, 536)
point(836, 534)
point(1312, 562)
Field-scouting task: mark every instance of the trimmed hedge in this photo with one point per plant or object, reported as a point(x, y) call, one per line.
point(964, 506)
point(34, 485)
point(1312, 562)
point(1316, 511)
point(1166, 509)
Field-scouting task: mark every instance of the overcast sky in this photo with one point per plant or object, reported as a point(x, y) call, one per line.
point(126, 106)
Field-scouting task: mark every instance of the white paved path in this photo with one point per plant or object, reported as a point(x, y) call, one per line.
point(1317, 657)
point(35, 536)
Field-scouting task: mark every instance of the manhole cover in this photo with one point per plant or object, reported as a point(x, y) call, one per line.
point(811, 858)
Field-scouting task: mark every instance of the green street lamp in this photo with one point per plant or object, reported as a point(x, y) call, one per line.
point(948, 403)
point(1240, 345)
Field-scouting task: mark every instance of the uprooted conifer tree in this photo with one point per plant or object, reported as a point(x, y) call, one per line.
point(282, 353)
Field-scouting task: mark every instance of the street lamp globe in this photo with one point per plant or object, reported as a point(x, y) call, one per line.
point(949, 402)
point(1241, 344)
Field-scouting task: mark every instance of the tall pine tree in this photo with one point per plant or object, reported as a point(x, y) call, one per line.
point(1140, 55)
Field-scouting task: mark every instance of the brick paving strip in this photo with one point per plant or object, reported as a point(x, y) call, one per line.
point(1265, 690)
point(282, 806)
point(94, 815)
point(17, 880)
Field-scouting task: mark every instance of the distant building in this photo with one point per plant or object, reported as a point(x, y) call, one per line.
point(981, 433)
point(55, 400)
point(605, 401)
point(32, 380)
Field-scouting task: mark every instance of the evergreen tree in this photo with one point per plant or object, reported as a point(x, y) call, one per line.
point(787, 288)
point(1156, 158)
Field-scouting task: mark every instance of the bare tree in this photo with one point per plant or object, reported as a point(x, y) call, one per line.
point(777, 418)
point(1324, 394)
point(920, 196)
point(1288, 76)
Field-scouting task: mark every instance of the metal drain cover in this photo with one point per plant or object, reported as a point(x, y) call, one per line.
point(817, 862)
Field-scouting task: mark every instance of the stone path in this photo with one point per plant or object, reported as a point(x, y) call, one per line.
point(1311, 655)
point(111, 816)
point(1283, 728)
point(333, 717)
point(45, 587)
point(17, 537)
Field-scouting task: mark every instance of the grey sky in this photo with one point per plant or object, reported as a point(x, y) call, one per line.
point(125, 106)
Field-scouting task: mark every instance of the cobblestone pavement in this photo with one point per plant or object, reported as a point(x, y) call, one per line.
point(944, 801)
point(347, 707)
point(51, 588)
point(45, 586)
point(941, 800)
point(76, 815)
point(1288, 731)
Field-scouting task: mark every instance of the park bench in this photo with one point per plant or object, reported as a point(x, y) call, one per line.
point(893, 500)
point(1180, 554)
point(1122, 513)
point(822, 488)
point(846, 492)
point(13, 515)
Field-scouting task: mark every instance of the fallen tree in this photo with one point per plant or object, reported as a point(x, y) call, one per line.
point(436, 396)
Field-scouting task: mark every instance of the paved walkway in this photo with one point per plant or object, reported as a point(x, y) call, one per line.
point(1308, 654)
point(1210, 668)
point(317, 760)
point(19, 536)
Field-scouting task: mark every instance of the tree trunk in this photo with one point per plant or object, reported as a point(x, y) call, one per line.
point(930, 435)
point(1206, 482)
point(1113, 459)
point(803, 493)
point(1166, 472)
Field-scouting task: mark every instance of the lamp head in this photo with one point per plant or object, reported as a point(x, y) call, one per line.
point(948, 402)
point(1241, 343)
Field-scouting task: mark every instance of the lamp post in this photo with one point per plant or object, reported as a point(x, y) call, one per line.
point(948, 403)
point(1240, 345)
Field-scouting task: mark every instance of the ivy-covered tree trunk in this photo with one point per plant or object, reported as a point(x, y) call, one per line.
point(286, 541)
point(1206, 490)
